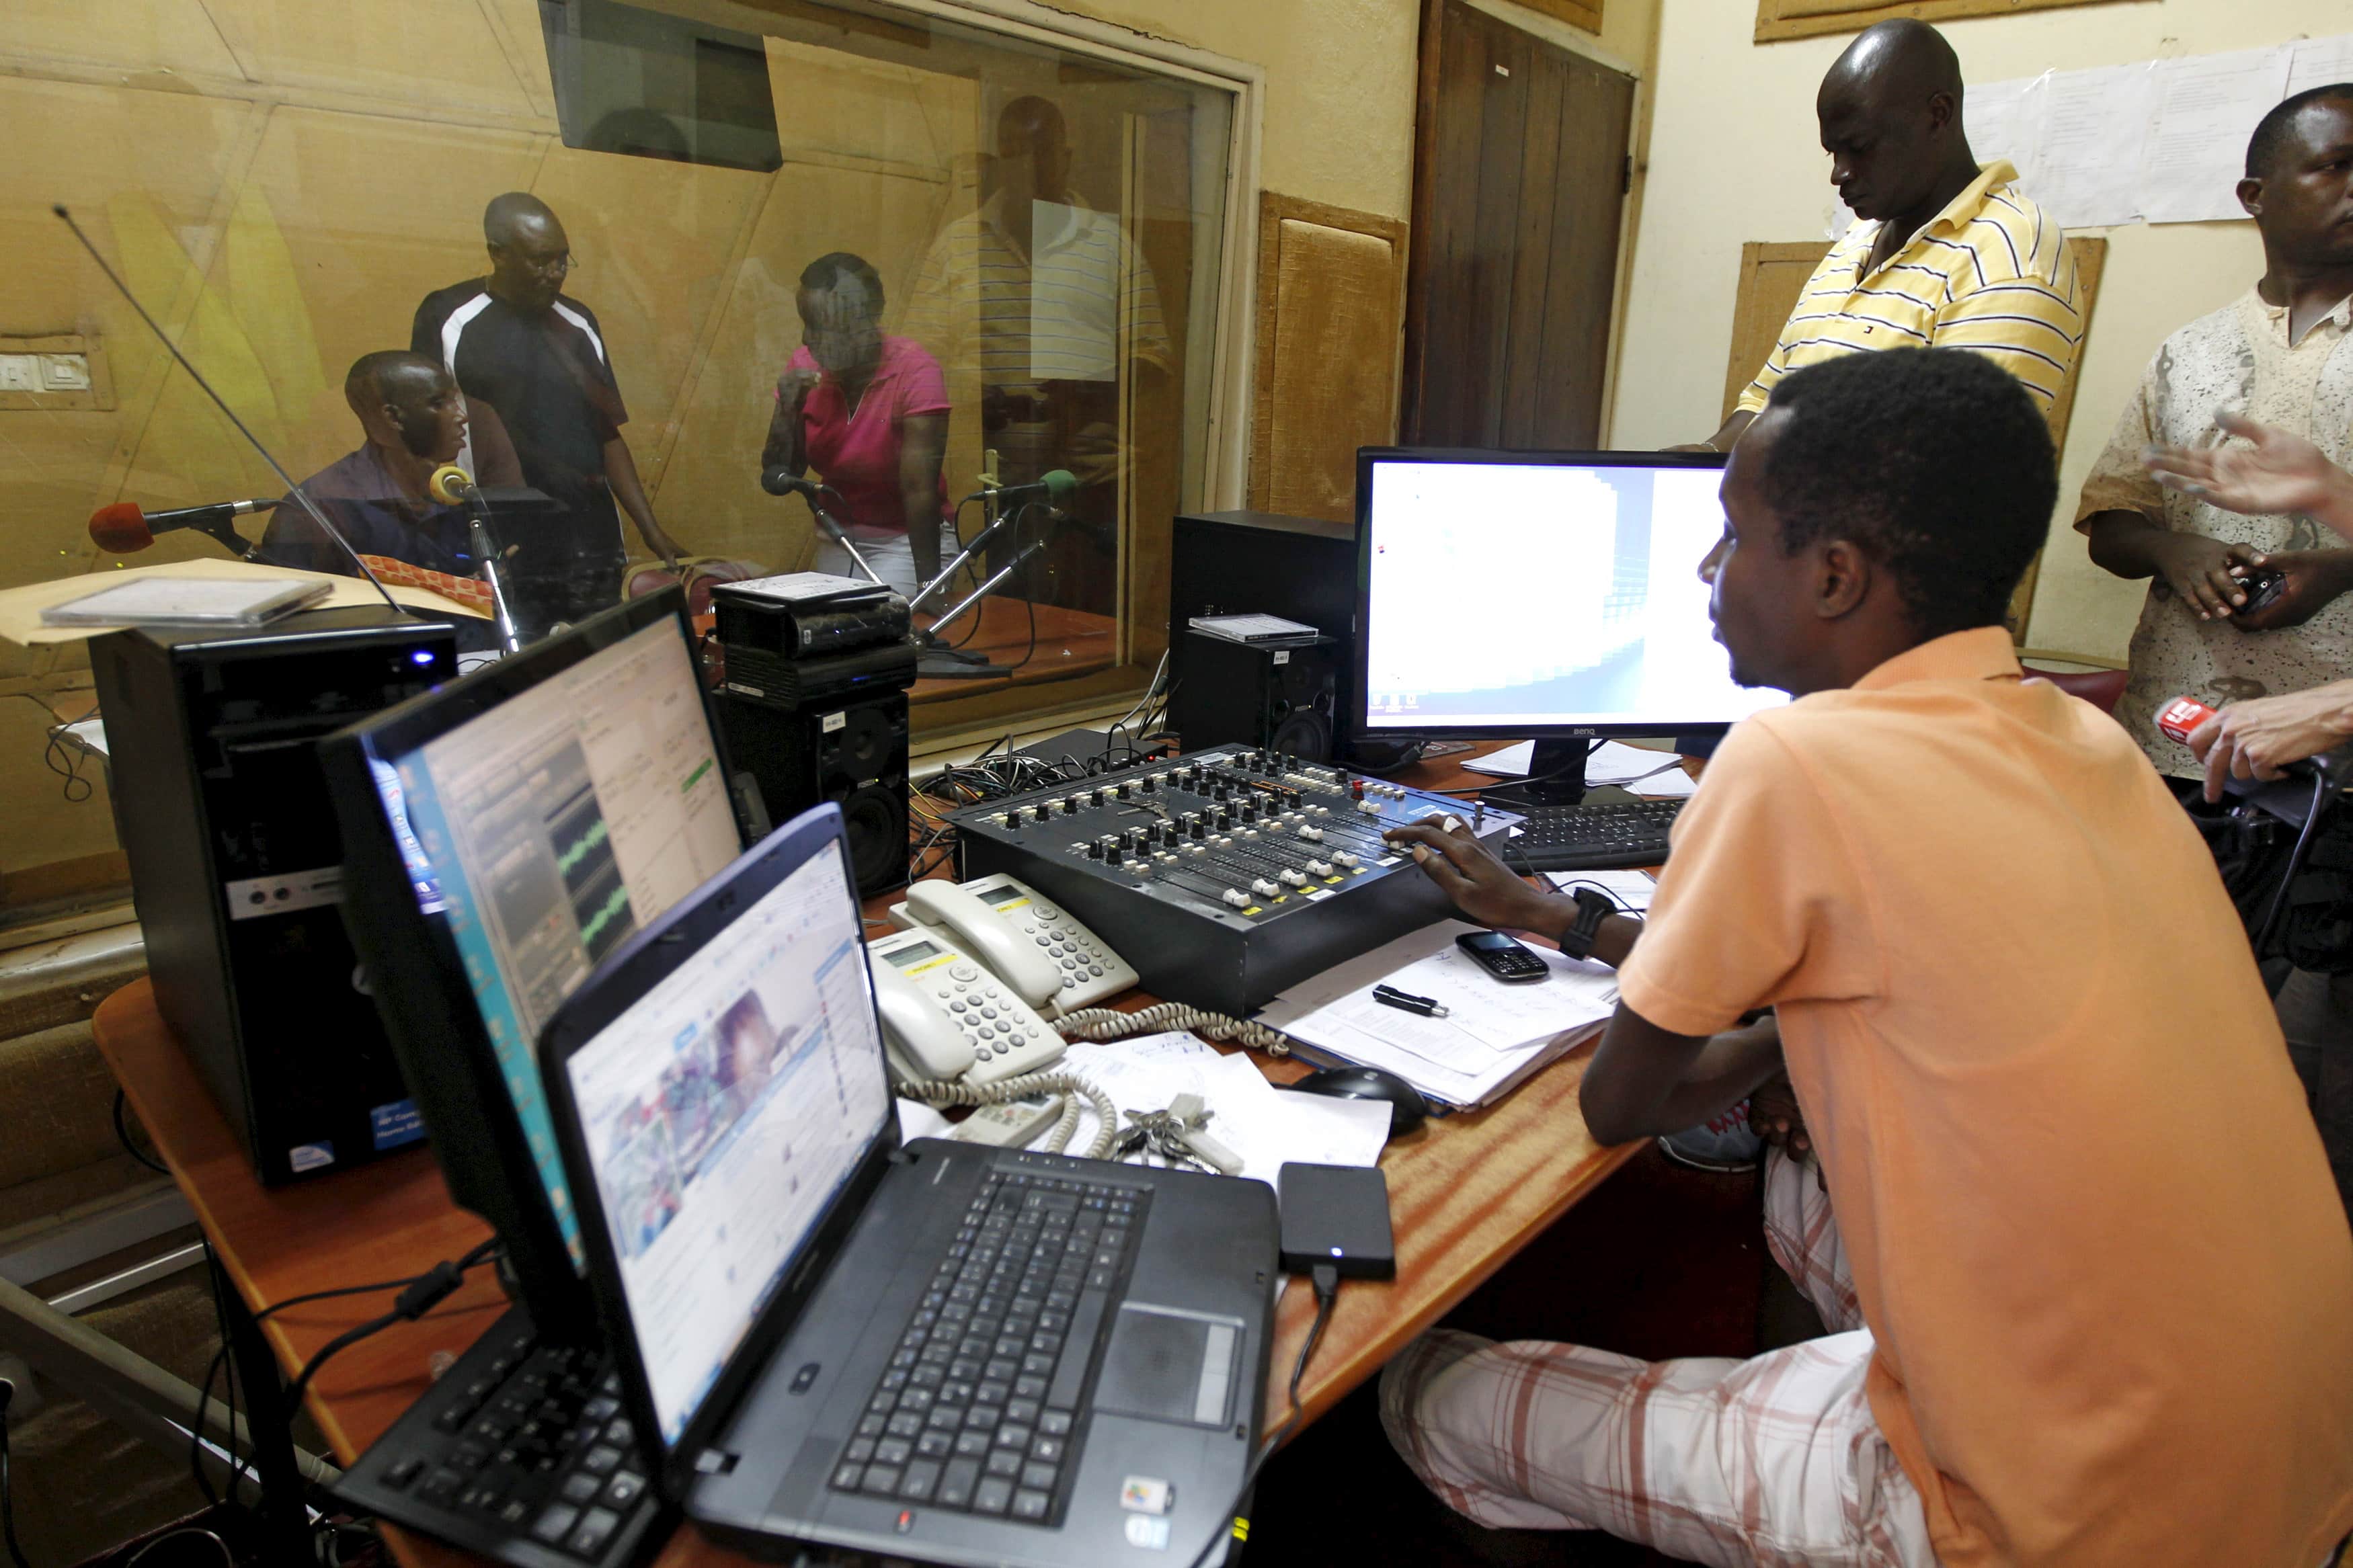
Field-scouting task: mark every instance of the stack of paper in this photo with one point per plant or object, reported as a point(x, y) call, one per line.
point(1632, 767)
point(1494, 1035)
point(1267, 1127)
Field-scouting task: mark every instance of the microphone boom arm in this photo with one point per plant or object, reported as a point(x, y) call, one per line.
point(221, 402)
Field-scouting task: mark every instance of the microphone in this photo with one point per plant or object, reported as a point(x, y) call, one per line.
point(1055, 488)
point(125, 528)
point(2177, 718)
point(451, 485)
point(783, 481)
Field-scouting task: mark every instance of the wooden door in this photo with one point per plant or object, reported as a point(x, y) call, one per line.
point(1520, 172)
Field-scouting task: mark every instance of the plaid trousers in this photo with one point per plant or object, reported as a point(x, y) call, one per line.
point(1773, 1460)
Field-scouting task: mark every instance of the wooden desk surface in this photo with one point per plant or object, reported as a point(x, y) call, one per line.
point(1466, 1193)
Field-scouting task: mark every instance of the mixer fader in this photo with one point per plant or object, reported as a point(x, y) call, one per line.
point(1224, 875)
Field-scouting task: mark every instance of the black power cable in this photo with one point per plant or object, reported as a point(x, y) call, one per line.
point(7, 1496)
point(1327, 1291)
point(122, 1136)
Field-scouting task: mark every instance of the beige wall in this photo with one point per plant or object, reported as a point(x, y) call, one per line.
point(1734, 157)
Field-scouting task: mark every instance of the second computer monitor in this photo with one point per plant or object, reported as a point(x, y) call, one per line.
point(1539, 594)
point(502, 835)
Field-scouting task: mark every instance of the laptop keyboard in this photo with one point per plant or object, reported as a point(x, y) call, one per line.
point(979, 1409)
point(534, 1444)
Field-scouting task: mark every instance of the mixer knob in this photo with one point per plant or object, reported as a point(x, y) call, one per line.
point(1291, 878)
point(1249, 811)
point(1357, 789)
point(1236, 897)
point(1343, 857)
point(1110, 854)
point(1150, 785)
point(1320, 867)
point(1075, 802)
point(1038, 813)
point(1094, 849)
point(1200, 830)
point(1125, 791)
point(1264, 889)
point(1313, 835)
point(1370, 807)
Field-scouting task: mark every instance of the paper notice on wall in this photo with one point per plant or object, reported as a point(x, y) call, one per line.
point(2320, 62)
point(2207, 107)
point(2086, 167)
point(2000, 119)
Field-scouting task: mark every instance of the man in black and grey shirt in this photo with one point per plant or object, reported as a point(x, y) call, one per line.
point(515, 340)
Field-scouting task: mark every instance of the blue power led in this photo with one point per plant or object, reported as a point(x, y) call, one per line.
point(422, 655)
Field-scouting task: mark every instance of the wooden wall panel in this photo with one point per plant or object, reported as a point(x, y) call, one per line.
point(1810, 18)
point(1331, 301)
point(1773, 275)
point(1585, 14)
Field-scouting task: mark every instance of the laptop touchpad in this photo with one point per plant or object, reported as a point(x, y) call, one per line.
point(1167, 1365)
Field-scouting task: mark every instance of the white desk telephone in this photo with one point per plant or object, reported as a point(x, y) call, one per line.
point(958, 987)
point(1043, 951)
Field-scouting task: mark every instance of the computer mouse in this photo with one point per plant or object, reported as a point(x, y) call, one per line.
point(1406, 1108)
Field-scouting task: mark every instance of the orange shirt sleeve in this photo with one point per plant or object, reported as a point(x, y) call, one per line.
point(1760, 902)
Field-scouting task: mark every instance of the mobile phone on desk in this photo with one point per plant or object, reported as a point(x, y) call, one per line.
point(1501, 956)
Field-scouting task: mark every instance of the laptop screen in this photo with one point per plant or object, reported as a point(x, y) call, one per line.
point(548, 828)
point(721, 1112)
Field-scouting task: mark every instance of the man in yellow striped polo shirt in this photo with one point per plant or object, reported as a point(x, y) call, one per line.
point(1948, 255)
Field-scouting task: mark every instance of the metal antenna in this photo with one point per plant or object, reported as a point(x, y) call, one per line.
point(196, 375)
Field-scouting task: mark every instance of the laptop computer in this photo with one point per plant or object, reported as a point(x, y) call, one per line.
point(964, 1354)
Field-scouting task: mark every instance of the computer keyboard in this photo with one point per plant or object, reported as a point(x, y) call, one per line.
point(519, 1452)
point(1591, 837)
point(980, 1408)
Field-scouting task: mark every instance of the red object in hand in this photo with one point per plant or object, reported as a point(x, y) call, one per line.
point(2177, 718)
point(120, 529)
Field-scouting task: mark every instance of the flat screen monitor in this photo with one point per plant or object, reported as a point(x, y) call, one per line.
point(502, 835)
point(1553, 595)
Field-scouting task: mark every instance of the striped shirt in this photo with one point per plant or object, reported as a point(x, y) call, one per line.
point(1062, 315)
point(1991, 272)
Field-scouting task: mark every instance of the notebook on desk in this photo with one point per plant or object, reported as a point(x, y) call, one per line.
point(936, 1350)
point(1494, 1036)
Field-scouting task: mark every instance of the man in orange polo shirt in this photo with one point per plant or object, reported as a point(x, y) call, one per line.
point(2097, 1286)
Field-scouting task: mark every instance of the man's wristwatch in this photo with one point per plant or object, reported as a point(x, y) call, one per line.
point(1593, 907)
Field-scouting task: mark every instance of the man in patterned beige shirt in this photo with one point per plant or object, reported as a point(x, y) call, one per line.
point(2282, 354)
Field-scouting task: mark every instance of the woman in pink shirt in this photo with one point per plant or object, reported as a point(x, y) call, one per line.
point(869, 414)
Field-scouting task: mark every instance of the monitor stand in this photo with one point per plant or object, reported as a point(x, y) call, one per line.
point(1556, 777)
point(1556, 774)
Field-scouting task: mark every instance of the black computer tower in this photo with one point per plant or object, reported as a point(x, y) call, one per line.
point(847, 748)
point(236, 865)
point(1278, 698)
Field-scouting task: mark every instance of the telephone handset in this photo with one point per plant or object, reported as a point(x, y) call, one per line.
point(1042, 951)
point(946, 1016)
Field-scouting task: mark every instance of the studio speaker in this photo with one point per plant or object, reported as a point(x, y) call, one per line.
point(848, 749)
point(1274, 699)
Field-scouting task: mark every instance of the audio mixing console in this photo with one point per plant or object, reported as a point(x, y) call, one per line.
point(1226, 875)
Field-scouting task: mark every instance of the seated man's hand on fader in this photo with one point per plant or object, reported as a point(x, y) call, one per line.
point(1483, 888)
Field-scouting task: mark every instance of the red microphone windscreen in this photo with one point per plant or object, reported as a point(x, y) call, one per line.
point(120, 529)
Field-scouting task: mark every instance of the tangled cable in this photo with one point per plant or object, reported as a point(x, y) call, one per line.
point(1109, 1024)
point(1070, 1086)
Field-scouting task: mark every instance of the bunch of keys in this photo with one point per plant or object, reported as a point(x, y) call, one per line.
point(1174, 1134)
